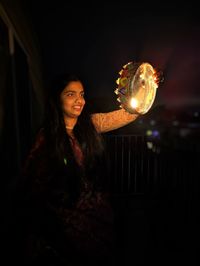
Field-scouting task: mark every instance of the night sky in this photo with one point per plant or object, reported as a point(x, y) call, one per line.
point(96, 40)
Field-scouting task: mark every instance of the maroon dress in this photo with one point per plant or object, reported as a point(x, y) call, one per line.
point(66, 229)
point(89, 225)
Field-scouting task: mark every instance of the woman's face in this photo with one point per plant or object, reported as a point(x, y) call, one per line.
point(72, 99)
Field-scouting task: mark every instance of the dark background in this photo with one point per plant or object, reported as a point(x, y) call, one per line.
point(96, 39)
point(157, 220)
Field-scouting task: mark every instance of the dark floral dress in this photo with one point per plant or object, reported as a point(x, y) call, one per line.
point(63, 226)
point(64, 218)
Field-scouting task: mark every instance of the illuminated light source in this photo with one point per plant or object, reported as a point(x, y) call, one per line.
point(155, 133)
point(133, 103)
point(137, 87)
point(152, 122)
point(149, 132)
point(149, 145)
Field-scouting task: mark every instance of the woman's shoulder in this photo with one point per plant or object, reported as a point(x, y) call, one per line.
point(39, 138)
point(36, 152)
point(37, 143)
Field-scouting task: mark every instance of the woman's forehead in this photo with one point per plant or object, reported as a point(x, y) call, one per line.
point(74, 86)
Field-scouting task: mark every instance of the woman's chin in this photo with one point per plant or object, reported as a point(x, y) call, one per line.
point(76, 113)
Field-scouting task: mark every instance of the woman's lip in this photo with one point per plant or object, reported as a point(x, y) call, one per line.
point(77, 107)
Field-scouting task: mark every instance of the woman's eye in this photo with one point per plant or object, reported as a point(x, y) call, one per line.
point(69, 94)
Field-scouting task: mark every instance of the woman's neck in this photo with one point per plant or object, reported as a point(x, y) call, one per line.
point(70, 122)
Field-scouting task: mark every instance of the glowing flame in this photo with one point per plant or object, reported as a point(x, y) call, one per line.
point(134, 103)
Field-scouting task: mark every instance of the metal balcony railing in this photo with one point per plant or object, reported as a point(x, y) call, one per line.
point(137, 167)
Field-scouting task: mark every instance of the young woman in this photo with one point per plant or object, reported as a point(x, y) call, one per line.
point(64, 193)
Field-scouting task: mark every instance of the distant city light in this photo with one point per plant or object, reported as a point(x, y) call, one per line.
point(149, 145)
point(156, 133)
point(149, 132)
point(175, 123)
point(152, 122)
point(184, 132)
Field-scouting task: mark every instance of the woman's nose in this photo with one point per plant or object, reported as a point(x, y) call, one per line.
point(78, 99)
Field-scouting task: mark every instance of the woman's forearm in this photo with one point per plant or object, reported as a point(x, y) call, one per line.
point(105, 122)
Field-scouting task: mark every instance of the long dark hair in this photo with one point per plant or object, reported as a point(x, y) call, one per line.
point(57, 139)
